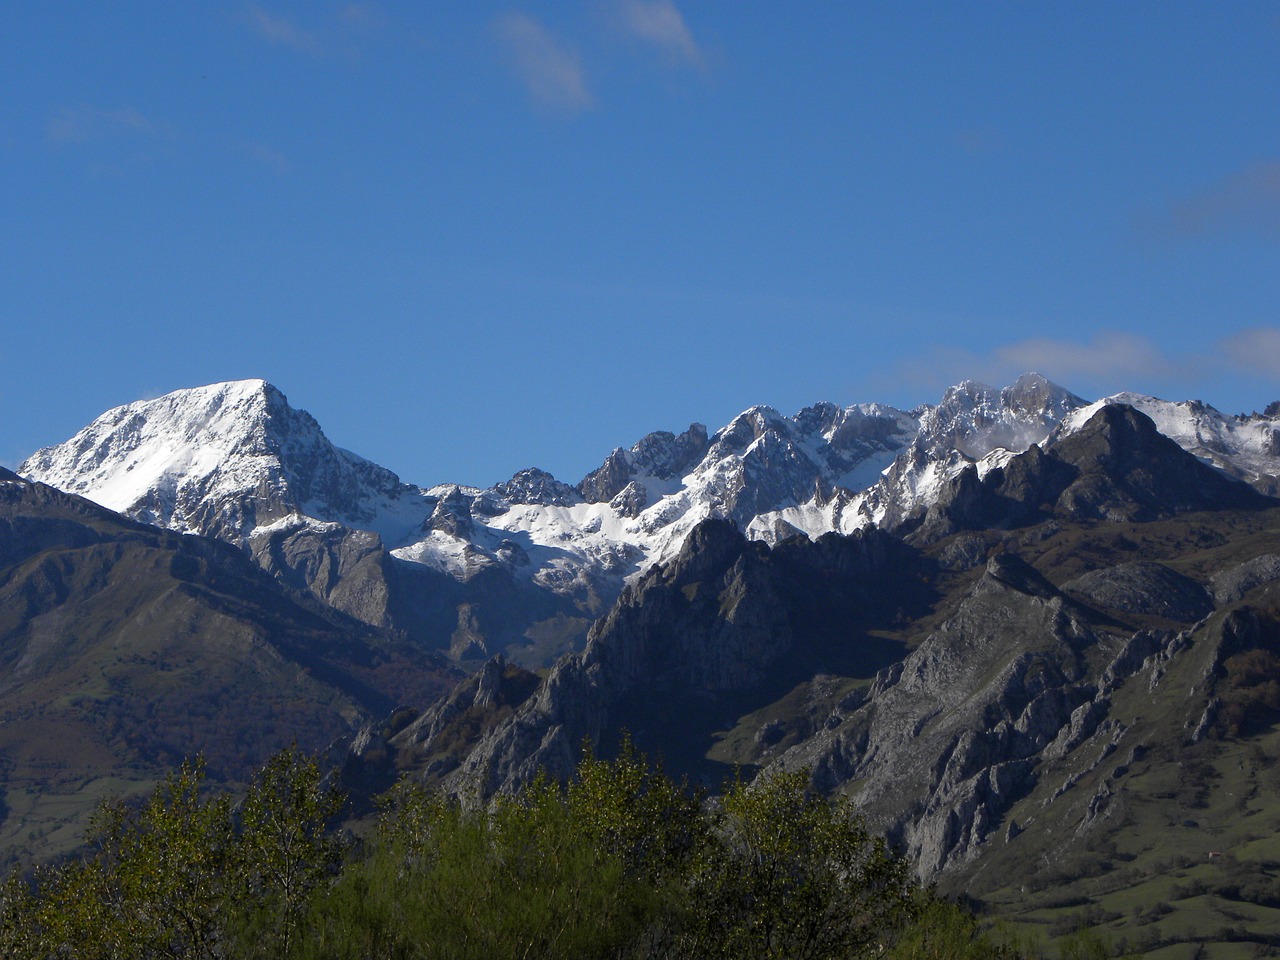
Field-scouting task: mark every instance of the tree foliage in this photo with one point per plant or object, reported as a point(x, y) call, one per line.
point(621, 863)
point(789, 875)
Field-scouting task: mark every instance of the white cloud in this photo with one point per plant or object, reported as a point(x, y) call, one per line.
point(1109, 357)
point(83, 124)
point(659, 22)
point(550, 71)
point(363, 14)
point(1244, 202)
point(1106, 364)
point(1254, 351)
point(283, 31)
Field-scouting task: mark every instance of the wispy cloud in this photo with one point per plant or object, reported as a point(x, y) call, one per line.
point(1106, 364)
point(551, 72)
point(1245, 202)
point(283, 31)
point(268, 156)
point(1254, 351)
point(84, 124)
point(659, 23)
point(1109, 356)
point(362, 14)
point(979, 141)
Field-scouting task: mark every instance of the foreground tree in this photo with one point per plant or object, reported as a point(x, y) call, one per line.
point(158, 883)
point(286, 850)
point(791, 875)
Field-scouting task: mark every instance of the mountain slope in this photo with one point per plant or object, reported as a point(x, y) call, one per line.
point(126, 648)
point(729, 622)
point(235, 461)
point(1246, 447)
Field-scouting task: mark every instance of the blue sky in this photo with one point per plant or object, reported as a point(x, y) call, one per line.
point(471, 237)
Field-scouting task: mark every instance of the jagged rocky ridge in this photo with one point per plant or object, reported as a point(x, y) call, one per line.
point(1013, 690)
point(727, 621)
point(527, 564)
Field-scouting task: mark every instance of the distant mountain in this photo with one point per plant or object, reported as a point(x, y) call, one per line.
point(236, 461)
point(728, 617)
point(978, 426)
point(1245, 446)
point(451, 566)
point(225, 460)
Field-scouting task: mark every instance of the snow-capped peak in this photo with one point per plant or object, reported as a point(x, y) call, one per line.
point(973, 423)
point(217, 459)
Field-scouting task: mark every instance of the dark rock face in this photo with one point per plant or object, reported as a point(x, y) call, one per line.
point(728, 651)
point(725, 617)
point(949, 739)
point(1018, 672)
point(427, 745)
point(1149, 589)
point(1127, 470)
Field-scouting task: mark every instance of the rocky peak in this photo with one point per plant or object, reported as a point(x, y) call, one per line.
point(1246, 447)
point(759, 423)
point(537, 486)
point(1129, 470)
point(452, 514)
point(975, 419)
point(1035, 396)
point(711, 546)
point(821, 418)
point(1012, 571)
point(661, 455)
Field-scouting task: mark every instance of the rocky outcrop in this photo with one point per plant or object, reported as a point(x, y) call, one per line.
point(1233, 584)
point(661, 455)
point(537, 486)
point(726, 617)
point(948, 740)
point(345, 568)
point(1144, 588)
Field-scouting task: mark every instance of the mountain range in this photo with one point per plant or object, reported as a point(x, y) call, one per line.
point(443, 565)
point(1035, 638)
